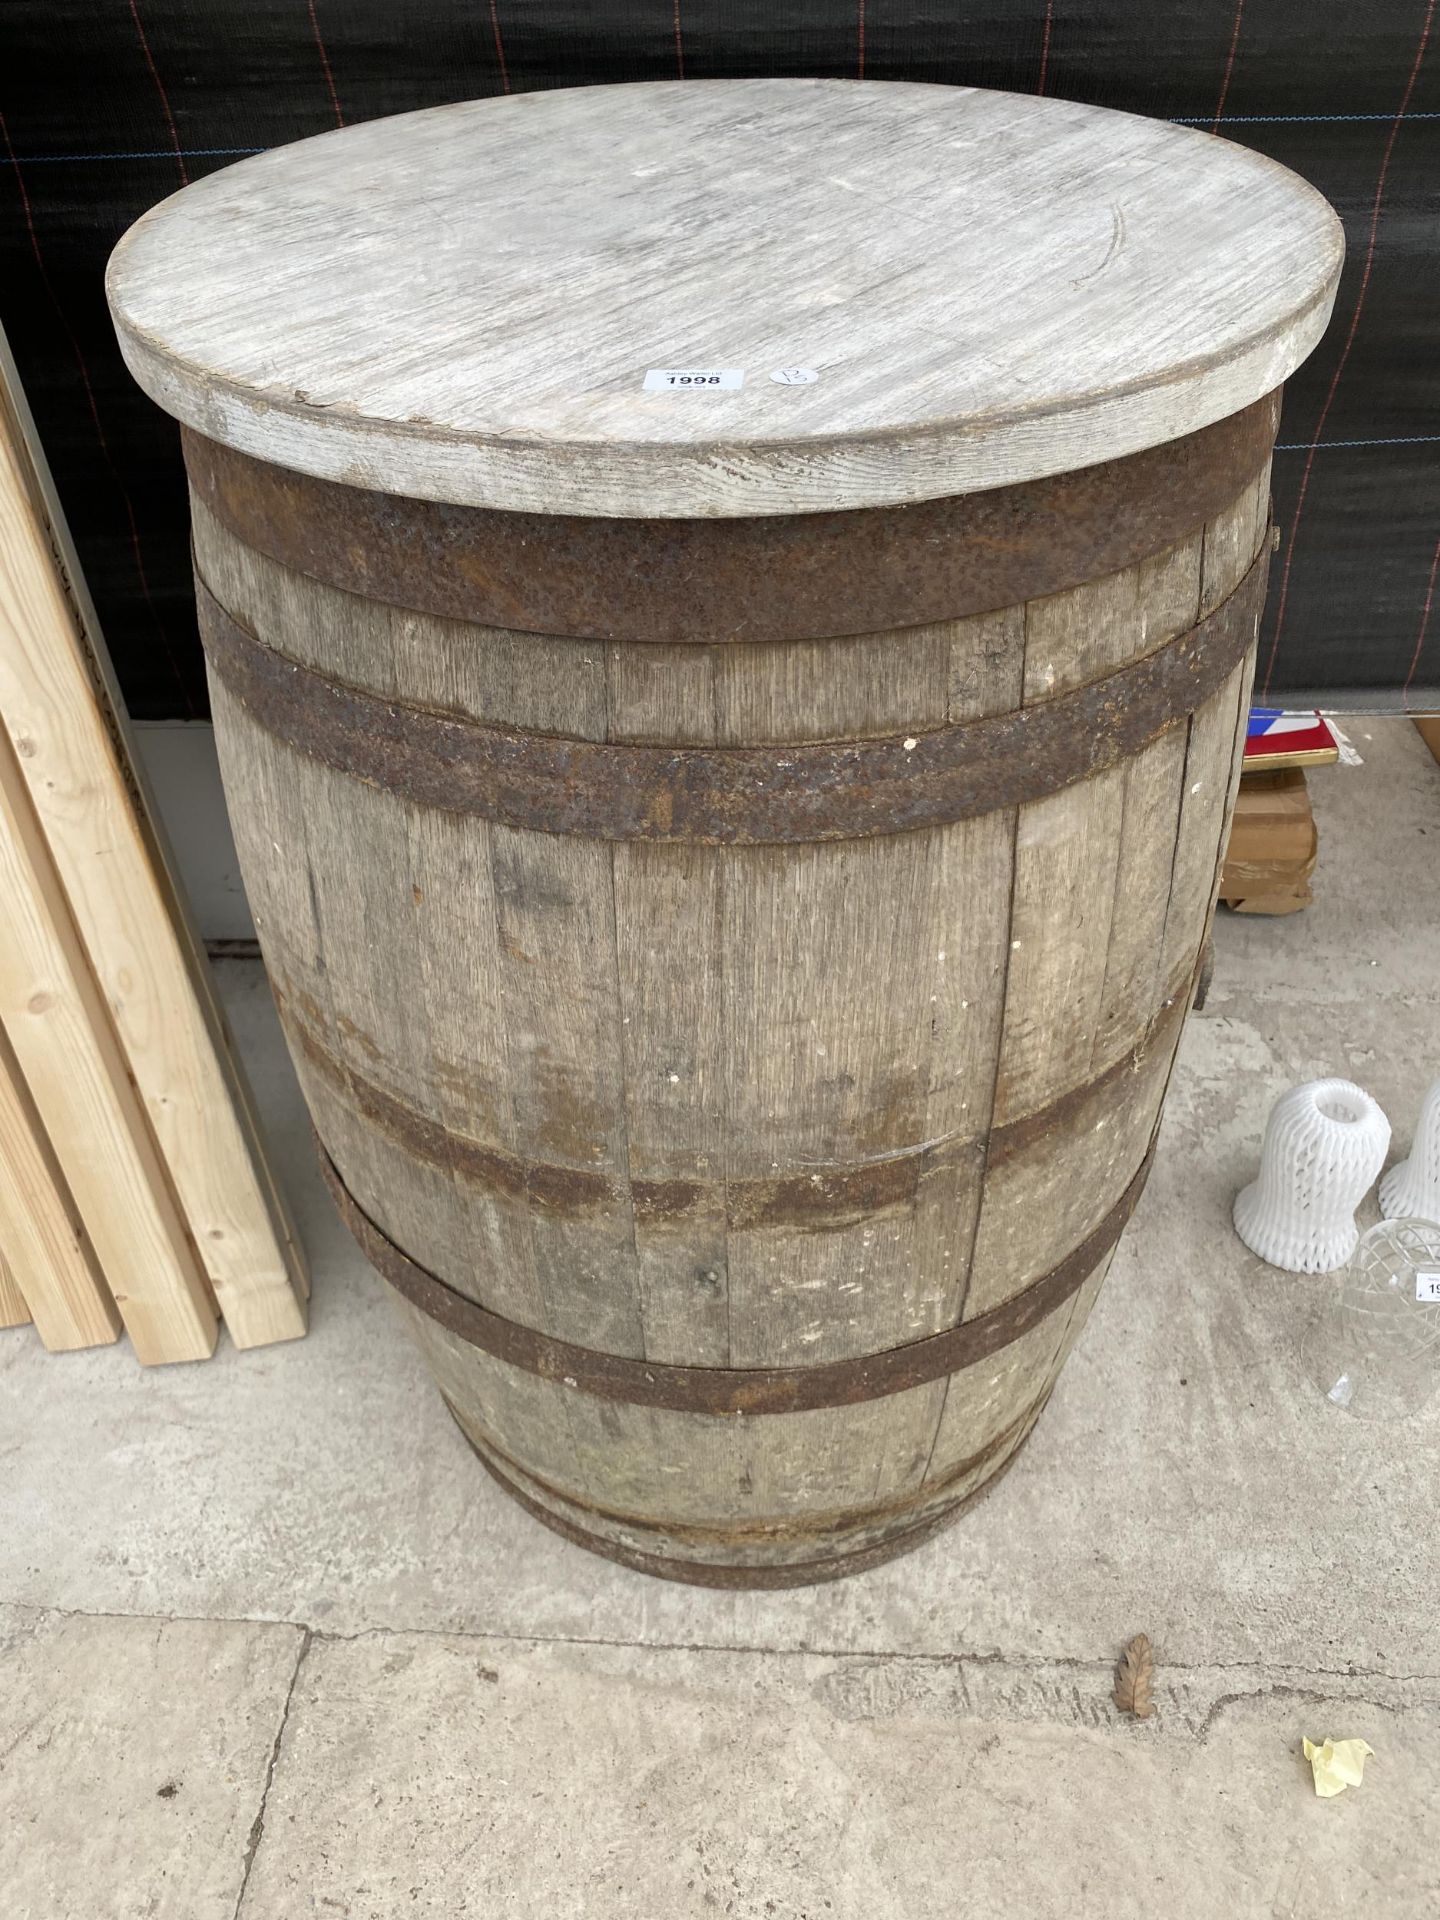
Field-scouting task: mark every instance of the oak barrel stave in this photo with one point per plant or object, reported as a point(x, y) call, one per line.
point(739, 1106)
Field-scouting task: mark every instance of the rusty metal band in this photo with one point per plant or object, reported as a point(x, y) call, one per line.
point(789, 577)
point(818, 1527)
point(710, 1573)
point(735, 1390)
point(818, 1200)
point(738, 796)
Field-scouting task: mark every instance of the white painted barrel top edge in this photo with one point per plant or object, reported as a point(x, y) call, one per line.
point(464, 303)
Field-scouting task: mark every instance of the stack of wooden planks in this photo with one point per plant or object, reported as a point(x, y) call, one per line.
point(134, 1193)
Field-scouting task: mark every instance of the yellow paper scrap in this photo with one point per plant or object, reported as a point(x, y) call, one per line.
point(1337, 1765)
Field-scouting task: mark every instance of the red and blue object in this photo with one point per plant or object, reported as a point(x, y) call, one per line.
point(1275, 737)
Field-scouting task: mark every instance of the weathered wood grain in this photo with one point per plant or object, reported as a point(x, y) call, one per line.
point(734, 1105)
point(746, 1104)
point(1115, 883)
point(670, 906)
point(559, 990)
point(455, 980)
point(1075, 860)
point(273, 845)
point(1066, 849)
point(462, 304)
point(609, 1088)
point(1089, 630)
point(1144, 871)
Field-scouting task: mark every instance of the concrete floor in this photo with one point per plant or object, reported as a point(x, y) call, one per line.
point(274, 1646)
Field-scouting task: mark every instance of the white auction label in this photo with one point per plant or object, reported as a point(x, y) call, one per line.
point(794, 376)
point(1427, 1288)
point(693, 379)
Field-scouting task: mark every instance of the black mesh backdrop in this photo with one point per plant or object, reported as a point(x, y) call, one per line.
point(110, 105)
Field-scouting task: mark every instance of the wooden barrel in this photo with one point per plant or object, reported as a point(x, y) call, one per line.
point(734, 960)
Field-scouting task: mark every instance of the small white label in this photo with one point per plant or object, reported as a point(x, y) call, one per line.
point(693, 379)
point(1427, 1288)
point(794, 376)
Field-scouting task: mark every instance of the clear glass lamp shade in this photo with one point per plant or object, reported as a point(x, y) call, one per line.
point(1373, 1347)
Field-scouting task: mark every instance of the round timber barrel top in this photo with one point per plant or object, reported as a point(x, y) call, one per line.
point(724, 298)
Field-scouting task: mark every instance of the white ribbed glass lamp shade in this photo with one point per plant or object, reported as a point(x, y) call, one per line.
point(1324, 1143)
point(1411, 1191)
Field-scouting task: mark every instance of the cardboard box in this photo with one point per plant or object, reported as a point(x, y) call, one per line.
point(1272, 847)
